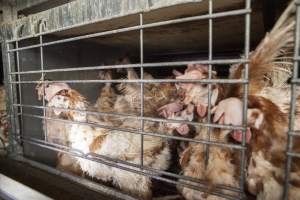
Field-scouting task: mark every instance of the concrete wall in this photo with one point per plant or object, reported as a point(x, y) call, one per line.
point(79, 12)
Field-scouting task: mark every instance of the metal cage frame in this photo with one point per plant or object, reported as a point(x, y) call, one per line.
point(13, 75)
point(294, 84)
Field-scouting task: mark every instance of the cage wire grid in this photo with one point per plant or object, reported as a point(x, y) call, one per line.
point(15, 103)
point(16, 114)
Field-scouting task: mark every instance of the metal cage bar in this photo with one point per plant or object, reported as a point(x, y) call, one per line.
point(19, 88)
point(121, 115)
point(124, 165)
point(145, 65)
point(224, 145)
point(146, 169)
point(142, 88)
point(43, 79)
point(292, 132)
point(6, 62)
point(245, 97)
point(210, 52)
point(14, 147)
point(204, 81)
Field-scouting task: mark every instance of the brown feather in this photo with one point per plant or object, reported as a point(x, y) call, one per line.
point(273, 52)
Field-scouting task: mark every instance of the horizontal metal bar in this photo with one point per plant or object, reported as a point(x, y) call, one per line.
point(203, 81)
point(63, 147)
point(145, 65)
point(295, 81)
point(146, 172)
point(134, 28)
point(153, 170)
point(130, 116)
point(136, 131)
point(24, 48)
point(293, 154)
point(294, 133)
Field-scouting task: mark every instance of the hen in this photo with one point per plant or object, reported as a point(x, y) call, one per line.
point(267, 79)
point(126, 97)
point(112, 143)
point(56, 131)
point(197, 93)
point(267, 113)
point(221, 169)
point(267, 140)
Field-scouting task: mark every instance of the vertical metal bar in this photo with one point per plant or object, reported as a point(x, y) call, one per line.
point(5, 58)
point(142, 87)
point(11, 102)
point(43, 79)
point(293, 107)
point(19, 89)
point(210, 51)
point(245, 97)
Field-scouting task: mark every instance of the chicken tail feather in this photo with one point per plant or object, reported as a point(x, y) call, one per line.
point(273, 56)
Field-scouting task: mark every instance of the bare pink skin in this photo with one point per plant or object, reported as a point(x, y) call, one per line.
point(169, 109)
point(238, 135)
point(199, 95)
point(232, 109)
point(177, 73)
point(174, 111)
point(193, 72)
point(187, 114)
point(230, 112)
point(50, 90)
point(183, 129)
point(201, 110)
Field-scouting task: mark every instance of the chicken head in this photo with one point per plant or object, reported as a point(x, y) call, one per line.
point(230, 112)
point(197, 93)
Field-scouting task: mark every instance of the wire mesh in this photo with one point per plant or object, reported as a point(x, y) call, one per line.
point(293, 110)
point(17, 114)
